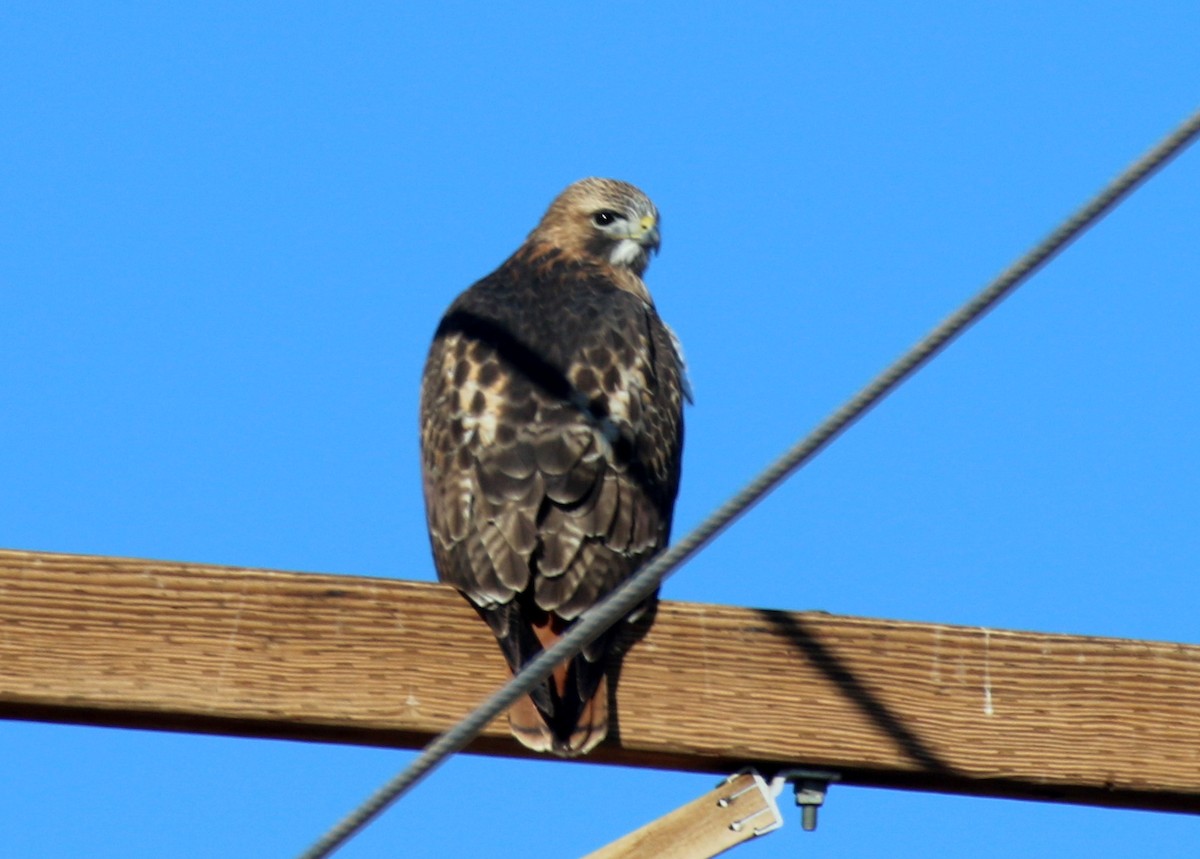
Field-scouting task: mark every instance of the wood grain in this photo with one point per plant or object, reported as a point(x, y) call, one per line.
point(730, 814)
point(176, 646)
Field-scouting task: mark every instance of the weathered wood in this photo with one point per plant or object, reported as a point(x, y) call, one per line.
point(193, 647)
point(728, 815)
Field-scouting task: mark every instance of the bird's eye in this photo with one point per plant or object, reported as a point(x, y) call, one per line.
point(604, 218)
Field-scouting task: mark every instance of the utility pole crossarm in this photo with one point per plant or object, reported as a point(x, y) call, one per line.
point(194, 647)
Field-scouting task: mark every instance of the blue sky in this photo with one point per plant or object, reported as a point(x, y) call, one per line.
point(228, 232)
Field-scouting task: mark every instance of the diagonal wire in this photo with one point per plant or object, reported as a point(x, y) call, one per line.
point(595, 621)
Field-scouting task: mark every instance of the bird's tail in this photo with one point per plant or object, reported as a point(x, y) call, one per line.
point(569, 734)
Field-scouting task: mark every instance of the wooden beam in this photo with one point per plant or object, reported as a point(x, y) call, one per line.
point(730, 814)
point(150, 644)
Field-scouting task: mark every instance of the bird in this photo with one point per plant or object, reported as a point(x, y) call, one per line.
point(551, 427)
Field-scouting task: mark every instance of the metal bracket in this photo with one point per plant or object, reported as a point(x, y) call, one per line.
point(769, 795)
point(810, 787)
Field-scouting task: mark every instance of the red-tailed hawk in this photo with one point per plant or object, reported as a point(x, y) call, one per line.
point(551, 437)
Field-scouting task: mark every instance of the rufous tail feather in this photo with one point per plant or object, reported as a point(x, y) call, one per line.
point(530, 728)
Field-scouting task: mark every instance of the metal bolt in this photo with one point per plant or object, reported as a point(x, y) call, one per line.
point(810, 794)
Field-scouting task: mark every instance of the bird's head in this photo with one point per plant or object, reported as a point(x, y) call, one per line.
point(602, 219)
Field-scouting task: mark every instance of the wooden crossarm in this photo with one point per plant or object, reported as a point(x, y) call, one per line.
point(194, 647)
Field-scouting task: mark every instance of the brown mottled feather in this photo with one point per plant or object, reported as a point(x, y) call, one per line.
point(551, 435)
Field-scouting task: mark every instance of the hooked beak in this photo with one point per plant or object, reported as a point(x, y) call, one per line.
point(647, 234)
